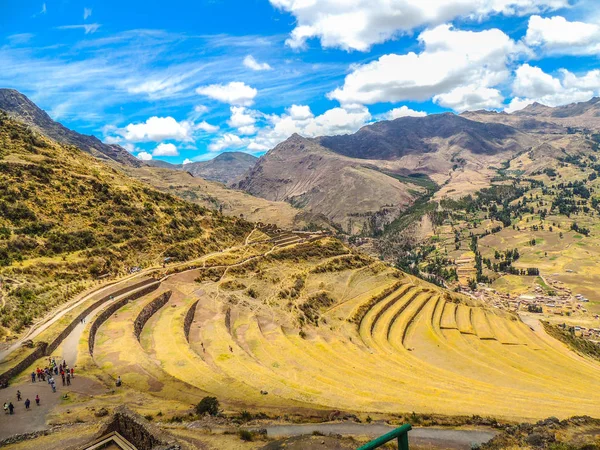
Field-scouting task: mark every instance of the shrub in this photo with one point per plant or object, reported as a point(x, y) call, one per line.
point(245, 435)
point(208, 405)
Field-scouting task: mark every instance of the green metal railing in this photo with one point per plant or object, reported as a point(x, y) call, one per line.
point(399, 433)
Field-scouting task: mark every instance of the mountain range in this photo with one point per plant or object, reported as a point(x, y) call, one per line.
point(224, 168)
point(360, 182)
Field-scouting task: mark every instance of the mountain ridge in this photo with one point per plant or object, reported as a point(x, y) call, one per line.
point(19, 106)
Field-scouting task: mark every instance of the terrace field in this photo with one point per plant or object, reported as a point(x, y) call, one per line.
point(313, 326)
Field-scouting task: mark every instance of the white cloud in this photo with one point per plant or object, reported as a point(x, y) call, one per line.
point(451, 59)
point(165, 150)
point(144, 156)
point(200, 109)
point(402, 111)
point(300, 119)
point(206, 127)
point(187, 161)
point(556, 35)
point(532, 84)
point(241, 117)
point(157, 129)
point(44, 10)
point(247, 130)
point(129, 147)
point(359, 24)
point(253, 64)
point(228, 140)
point(470, 97)
point(234, 93)
point(89, 28)
point(87, 12)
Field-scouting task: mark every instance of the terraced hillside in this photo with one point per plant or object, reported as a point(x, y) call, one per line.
point(314, 325)
point(69, 221)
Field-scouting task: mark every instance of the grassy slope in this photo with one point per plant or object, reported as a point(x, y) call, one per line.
point(67, 219)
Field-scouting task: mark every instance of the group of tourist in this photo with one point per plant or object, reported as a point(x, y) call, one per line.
point(9, 408)
point(67, 374)
point(46, 374)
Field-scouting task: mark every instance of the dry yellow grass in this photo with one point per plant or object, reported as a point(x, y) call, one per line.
point(414, 350)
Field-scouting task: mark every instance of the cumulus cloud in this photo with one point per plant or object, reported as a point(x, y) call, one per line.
point(253, 64)
point(297, 119)
point(187, 161)
point(165, 150)
point(206, 127)
point(157, 129)
point(359, 24)
point(556, 35)
point(471, 97)
point(235, 93)
point(458, 68)
point(144, 156)
point(532, 84)
point(226, 141)
point(87, 12)
point(402, 111)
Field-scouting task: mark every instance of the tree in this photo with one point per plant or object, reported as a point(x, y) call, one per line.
point(208, 405)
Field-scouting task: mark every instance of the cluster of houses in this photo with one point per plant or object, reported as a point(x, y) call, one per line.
point(562, 302)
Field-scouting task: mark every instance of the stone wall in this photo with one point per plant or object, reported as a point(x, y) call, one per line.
point(149, 310)
point(137, 430)
point(189, 319)
point(39, 352)
point(62, 336)
point(104, 315)
point(44, 349)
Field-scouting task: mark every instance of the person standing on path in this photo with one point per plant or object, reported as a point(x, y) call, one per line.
point(27, 403)
point(33, 377)
point(68, 379)
point(6, 407)
point(37, 399)
point(72, 372)
point(18, 396)
point(11, 408)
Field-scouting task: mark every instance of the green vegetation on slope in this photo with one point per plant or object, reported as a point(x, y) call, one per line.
point(67, 219)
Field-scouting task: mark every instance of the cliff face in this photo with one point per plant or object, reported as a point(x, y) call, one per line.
point(20, 107)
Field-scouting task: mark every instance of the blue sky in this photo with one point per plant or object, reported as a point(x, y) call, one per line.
point(187, 80)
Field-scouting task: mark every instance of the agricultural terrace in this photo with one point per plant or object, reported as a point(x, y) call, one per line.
point(314, 325)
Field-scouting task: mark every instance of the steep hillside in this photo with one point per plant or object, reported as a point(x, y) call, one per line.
point(20, 107)
point(215, 196)
point(225, 168)
point(67, 219)
point(354, 194)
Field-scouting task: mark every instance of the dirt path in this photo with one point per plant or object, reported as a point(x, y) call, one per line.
point(34, 419)
point(436, 437)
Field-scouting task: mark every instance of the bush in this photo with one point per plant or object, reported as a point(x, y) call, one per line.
point(245, 435)
point(208, 405)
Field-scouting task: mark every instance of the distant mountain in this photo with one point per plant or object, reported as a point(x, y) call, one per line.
point(406, 135)
point(225, 168)
point(364, 180)
point(354, 194)
point(545, 119)
point(20, 107)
